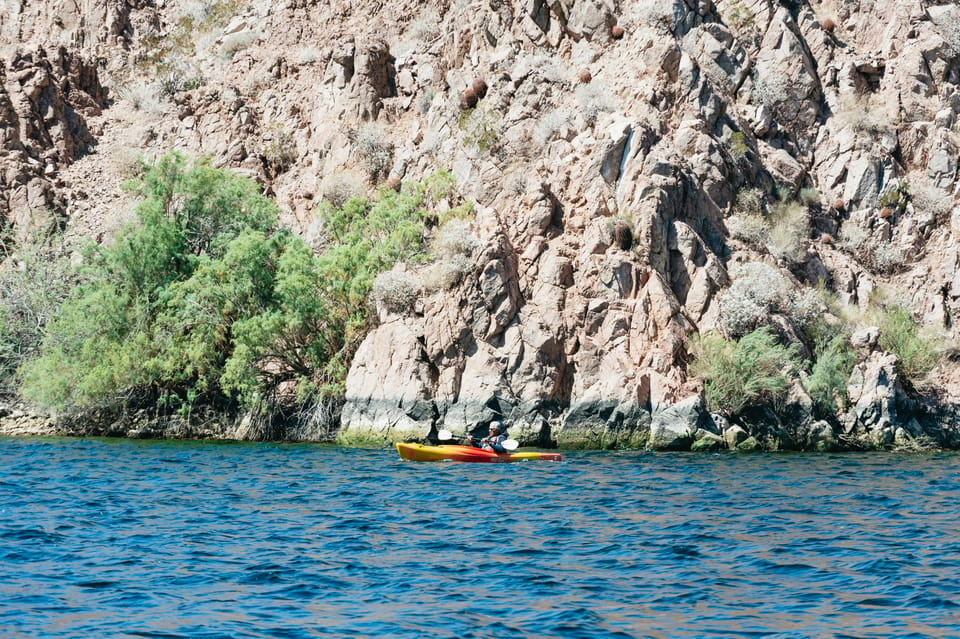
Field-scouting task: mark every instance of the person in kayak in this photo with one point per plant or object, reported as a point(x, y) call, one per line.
point(492, 442)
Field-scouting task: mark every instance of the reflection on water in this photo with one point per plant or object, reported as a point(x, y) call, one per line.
point(168, 539)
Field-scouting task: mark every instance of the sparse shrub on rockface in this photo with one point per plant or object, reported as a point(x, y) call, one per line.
point(452, 246)
point(594, 100)
point(142, 97)
point(917, 354)
point(394, 291)
point(783, 231)
point(750, 370)
point(738, 145)
point(769, 88)
point(373, 145)
point(552, 124)
point(741, 20)
point(879, 256)
point(340, 188)
point(237, 42)
point(757, 290)
point(455, 238)
point(279, 149)
point(789, 230)
point(425, 26)
point(479, 128)
point(180, 41)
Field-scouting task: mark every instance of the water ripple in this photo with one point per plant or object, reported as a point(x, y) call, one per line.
point(208, 540)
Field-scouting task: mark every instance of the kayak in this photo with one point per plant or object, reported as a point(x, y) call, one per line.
point(449, 452)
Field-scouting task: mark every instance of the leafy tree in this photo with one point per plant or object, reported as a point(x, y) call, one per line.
point(204, 299)
point(106, 345)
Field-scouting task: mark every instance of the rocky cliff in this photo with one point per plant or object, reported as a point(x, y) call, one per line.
point(629, 161)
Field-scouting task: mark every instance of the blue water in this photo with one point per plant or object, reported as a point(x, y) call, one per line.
point(199, 540)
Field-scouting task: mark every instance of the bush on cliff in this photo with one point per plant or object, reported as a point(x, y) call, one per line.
point(902, 336)
point(752, 370)
point(827, 382)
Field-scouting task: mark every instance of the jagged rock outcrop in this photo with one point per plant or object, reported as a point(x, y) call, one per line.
point(46, 99)
point(608, 152)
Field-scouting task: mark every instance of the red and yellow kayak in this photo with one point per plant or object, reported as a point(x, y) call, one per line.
point(449, 452)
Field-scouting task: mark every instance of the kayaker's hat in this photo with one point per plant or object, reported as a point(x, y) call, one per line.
point(496, 425)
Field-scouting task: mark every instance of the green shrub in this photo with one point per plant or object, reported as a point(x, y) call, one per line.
point(740, 19)
point(739, 373)
point(810, 197)
point(896, 196)
point(105, 344)
point(738, 145)
point(206, 300)
point(479, 128)
point(901, 335)
point(827, 382)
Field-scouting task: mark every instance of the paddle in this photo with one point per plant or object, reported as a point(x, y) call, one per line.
point(508, 444)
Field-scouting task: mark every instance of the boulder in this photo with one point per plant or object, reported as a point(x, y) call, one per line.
point(876, 397)
point(706, 441)
point(674, 427)
point(734, 435)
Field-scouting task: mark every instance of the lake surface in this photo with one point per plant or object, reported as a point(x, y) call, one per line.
point(103, 538)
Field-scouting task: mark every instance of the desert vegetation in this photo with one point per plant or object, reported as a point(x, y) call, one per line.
point(205, 299)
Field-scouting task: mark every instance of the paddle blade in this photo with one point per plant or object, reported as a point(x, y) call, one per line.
point(444, 435)
point(510, 444)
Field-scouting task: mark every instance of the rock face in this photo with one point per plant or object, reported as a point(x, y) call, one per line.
point(608, 153)
point(46, 99)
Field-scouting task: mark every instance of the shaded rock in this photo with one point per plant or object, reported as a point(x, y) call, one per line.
point(822, 437)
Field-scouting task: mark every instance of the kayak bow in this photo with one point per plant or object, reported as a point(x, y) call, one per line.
point(422, 452)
